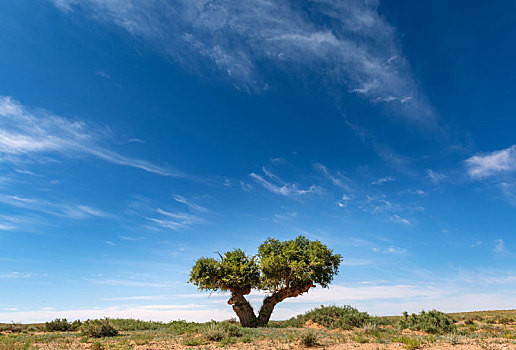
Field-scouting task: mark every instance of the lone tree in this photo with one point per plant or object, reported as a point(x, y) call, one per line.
point(284, 269)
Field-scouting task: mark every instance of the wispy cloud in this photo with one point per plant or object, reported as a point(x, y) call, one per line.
point(127, 283)
point(344, 43)
point(481, 166)
point(383, 180)
point(28, 134)
point(400, 220)
point(337, 179)
point(190, 204)
point(497, 168)
point(12, 275)
point(284, 188)
point(499, 246)
point(73, 211)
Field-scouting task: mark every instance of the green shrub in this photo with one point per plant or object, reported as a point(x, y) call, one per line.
point(308, 338)
point(231, 329)
point(99, 328)
point(345, 317)
point(214, 333)
point(136, 325)
point(408, 342)
point(58, 325)
point(182, 327)
point(431, 322)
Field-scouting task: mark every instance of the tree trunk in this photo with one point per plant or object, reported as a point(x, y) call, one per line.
point(243, 309)
point(271, 301)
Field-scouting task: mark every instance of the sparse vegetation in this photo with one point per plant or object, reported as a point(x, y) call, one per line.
point(99, 328)
point(431, 322)
point(332, 317)
point(330, 327)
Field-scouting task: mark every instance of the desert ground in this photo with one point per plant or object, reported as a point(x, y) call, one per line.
point(467, 331)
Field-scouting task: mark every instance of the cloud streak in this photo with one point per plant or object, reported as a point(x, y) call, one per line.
point(345, 44)
point(27, 134)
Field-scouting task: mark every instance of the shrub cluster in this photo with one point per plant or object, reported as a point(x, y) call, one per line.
point(136, 325)
point(343, 317)
point(222, 330)
point(62, 325)
point(99, 328)
point(431, 322)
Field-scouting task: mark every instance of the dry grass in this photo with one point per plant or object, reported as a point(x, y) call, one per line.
point(475, 330)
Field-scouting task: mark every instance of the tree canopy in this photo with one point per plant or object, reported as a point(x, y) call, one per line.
point(283, 268)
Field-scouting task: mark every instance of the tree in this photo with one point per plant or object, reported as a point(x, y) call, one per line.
point(284, 269)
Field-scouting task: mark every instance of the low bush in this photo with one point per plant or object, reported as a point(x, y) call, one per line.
point(58, 325)
point(136, 325)
point(99, 328)
point(431, 322)
point(345, 317)
point(214, 333)
point(182, 327)
point(308, 338)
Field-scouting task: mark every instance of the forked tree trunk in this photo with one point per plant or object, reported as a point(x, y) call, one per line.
point(271, 301)
point(243, 309)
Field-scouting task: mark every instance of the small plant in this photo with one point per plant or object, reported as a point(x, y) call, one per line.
point(192, 341)
point(99, 328)
point(359, 338)
point(214, 333)
point(431, 322)
point(309, 338)
point(246, 339)
point(97, 346)
point(227, 341)
point(408, 342)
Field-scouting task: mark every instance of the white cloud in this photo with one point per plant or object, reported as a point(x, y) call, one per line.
point(344, 43)
point(499, 246)
point(55, 208)
point(127, 283)
point(383, 180)
point(189, 203)
point(285, 189)
point(337, 179)
point(485, 165)
point(26, 134)
point(399, 220)
point(12, 275)
point(435, 176)
point(343, 202)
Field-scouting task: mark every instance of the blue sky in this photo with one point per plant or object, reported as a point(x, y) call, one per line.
point(137, 136)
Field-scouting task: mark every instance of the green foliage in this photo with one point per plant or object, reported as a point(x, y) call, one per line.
point(58, 325)
point(136, 325)
point(408, 342)
point(345, 317)
point(296, 263)
point(214, 333)
point(192, 341)
point(182, 327)
point(308, 338)
point(431, 322)
point(219, 331)
point(99, 328)
point(12, 327)
point(279, 264)
point(235, 270)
